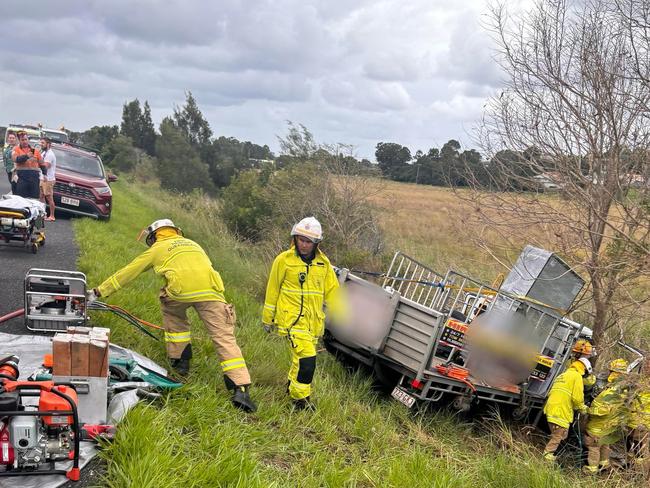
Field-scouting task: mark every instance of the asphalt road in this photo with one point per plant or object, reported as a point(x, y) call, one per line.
point(60, 252)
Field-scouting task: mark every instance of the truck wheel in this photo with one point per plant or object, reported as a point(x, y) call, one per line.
point(387, 377)
point(462, 403)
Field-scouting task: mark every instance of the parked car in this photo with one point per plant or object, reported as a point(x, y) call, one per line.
point(82, 184)
point(55, 135)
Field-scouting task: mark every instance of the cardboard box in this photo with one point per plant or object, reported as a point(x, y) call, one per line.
point(78, 329)
point(61, 354)
point(102, 330)
point(98, 358)
point(79, 355)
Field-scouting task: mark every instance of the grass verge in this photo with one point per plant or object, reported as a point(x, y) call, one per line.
point(194, 438)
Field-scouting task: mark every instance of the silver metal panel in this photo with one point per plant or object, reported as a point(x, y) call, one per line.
point(92, 395)
point(413, 329)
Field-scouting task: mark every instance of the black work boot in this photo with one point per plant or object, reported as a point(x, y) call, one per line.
point(240, 397)
point(242, 400)
point(181, 366)
point(304, 404)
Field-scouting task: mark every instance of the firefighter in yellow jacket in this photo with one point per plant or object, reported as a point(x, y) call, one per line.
point(190, 282)
point(565, 397)
point(607, 417)
point(301, 281)
point(639, 426)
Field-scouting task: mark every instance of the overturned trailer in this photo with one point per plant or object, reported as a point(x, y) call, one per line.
point(429, 335)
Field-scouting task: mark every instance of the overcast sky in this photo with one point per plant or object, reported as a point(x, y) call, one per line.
point(415, 72)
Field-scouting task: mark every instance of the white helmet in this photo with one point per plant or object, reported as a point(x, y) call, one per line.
point(150, 231)
point(310, 228)
point(587, 364)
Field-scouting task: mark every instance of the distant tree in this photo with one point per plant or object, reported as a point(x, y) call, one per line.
point(120, 154)
point(299, 143)
point(179, 166)
point(132, 118)
point(98, 136)
point(190, 122)
point(148, 131)
point(393, 159)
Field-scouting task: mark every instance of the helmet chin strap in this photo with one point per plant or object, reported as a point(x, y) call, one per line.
point(308, 257)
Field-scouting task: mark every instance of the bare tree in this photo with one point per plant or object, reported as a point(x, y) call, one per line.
point(329, 182)
point(573, 114)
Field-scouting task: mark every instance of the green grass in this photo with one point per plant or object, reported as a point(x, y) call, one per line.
point(194, 438)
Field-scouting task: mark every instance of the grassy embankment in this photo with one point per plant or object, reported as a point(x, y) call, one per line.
point(194, 438)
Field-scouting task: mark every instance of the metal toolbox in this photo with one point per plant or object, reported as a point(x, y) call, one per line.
point(54, 299)
point(92, 395)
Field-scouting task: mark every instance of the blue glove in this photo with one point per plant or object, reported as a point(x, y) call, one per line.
point(267, 328)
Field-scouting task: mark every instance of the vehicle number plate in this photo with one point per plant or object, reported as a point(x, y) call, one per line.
point(403, 397)
point(70, 201)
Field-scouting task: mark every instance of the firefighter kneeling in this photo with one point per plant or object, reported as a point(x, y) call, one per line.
point(190, 282)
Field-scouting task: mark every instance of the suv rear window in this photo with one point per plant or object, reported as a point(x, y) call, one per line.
point(79, 163)
point(56, 136)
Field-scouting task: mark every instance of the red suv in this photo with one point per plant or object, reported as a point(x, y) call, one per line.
point(81, 186)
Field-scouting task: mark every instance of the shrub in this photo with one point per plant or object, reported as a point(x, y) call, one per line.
point(263, 206)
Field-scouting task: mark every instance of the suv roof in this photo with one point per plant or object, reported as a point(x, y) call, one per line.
point(77, 148)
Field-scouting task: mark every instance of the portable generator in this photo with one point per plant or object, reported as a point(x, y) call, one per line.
point(34, 437)
point(54, 299)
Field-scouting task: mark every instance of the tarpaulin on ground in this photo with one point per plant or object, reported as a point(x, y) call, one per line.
point(31, 349)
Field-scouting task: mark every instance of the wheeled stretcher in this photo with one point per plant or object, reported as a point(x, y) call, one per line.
point(22, 220)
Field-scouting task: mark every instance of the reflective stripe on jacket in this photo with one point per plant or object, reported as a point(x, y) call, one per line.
point(566, 395)
point(183, 263)
point(284, 293)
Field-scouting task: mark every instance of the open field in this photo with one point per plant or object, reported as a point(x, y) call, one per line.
point(357, 437)
point(425, 222)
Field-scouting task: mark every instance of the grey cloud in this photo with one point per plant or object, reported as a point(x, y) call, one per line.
point(228, 88)
point(469, 56)
point(365, 95)
point(395, 67)
point(354, 72)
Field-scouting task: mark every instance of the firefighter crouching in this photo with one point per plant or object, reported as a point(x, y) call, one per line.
point(190, 282)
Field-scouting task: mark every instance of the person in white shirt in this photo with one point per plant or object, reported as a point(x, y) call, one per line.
point(48, 178)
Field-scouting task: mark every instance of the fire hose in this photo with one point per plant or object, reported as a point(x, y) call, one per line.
point(11, 315)
point(137, 322)
point(456, 373)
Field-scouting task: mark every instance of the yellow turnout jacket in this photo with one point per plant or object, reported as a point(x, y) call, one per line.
point(640, 411)
point(607, 414)
point(284, 293)
point(566, 395)
point(184, 265)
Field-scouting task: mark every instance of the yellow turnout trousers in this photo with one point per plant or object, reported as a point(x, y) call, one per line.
point(219, 319)
point(303, 363)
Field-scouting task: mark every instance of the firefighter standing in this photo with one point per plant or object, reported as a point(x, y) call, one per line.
point(301, 281)
point(190, 282)
point(566, 395)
